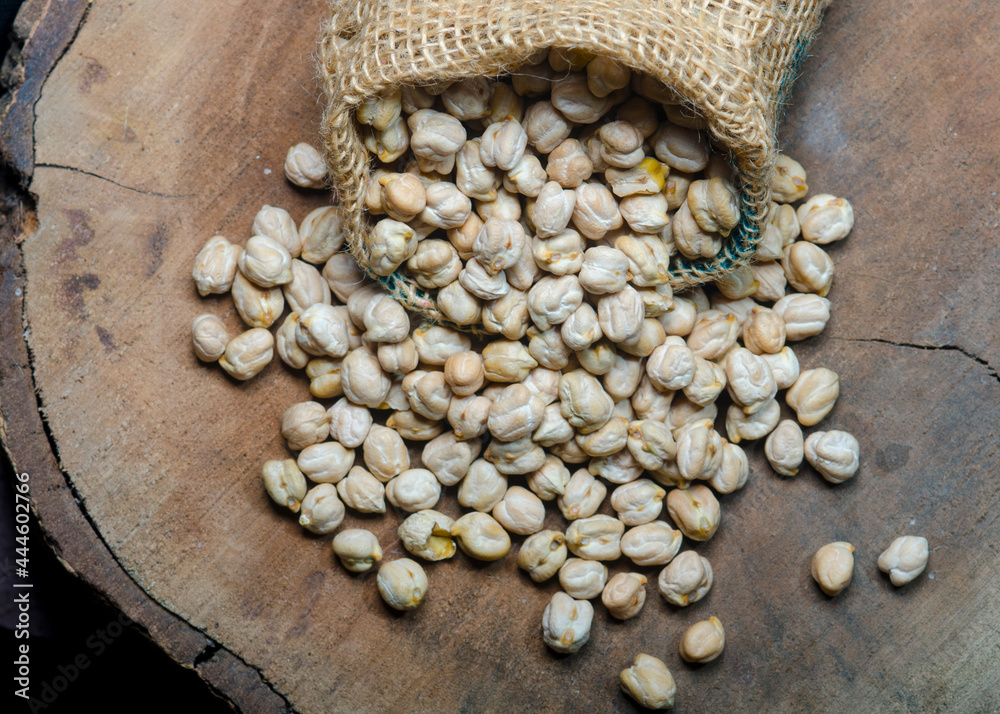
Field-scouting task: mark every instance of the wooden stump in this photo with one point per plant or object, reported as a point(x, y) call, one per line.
point(166, 122)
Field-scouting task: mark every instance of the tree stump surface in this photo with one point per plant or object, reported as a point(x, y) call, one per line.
point(158, 124)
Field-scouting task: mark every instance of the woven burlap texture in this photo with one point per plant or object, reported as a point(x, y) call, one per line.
point(732, 60)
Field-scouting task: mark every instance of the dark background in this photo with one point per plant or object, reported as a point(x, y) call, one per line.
point(70, 625)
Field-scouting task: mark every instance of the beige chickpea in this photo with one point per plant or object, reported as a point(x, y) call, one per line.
point(699, 450)
point(392, 243)
point(215, 266)
point(681, 317)
point(741, 426)
point(546, 126)
point(257, 307)
point(464, 373)
point(357, 549)
point(447, 207)
point(770, 281)
point(209, 337)
point(703, 641)
point(695, 511)
point(624, 595)
point(553, 299)
point(468, 416)
point(788, 182)
point(322, 233)
point(362, 491)
point(740, 282)
point(402, 584)
point(682, 149)
point(620, 144)
point(520, 511)
point(595, 538)
point(713, 335)
point(566, 623)
point(428, 393)
point(749, 380)
point(581, 329)
point(385, 453)
point(835, 454)
point(713, 205)
point(507, 316)
point(385, 320)
point(785, 448)
point(507, 361)
point(481, 537)
point(562, 254)
point(463, 238)
point(649, 402)
point(499, 244)
point(638, 502)
point(413, 99)
point(620, 314)
point(583, 579)
point(833, 567)
point(571, 96)
point(554, 428)
point(622, 380)
point(343, 275)
point(516, 413)
point(327, 462)
point(469, 98)
point(596, 211)
point(414, 490)
point(904, 559)
point(325, 377)
point(413, 426)
point(306, 288)
point(808, 268)
point(284, 483)
point(527, 177)
point(645, 214)
point(605, 75)
point(459, 305)
point(552, 209)
point(607, 440)
point(813, 395)
point(504, 105)
point(550, 481)
point(604, 270)
point(277, 223)
point(380, 112)
point(651, 443)
point(427, 534)
point(503, 144)
point(648, 178)
point(582, 496)
point(518, 457)
point(671, 365)
point(304, 166)
point(533, 79)
point(322, 330)
point(305, 424)
point(708, 382)
point(474, 178)
point(398, 358)
point(734, 472)
point(690, 239)
point(435, 135)
point(686, 580)
point(784, 366)
point(654, 543)
point(683, 412)
point(483, 486)
point(248, 353)
point(805, 315)
point(435, 344)
point(543, 383)
point(322, 512)
point(434, 264)
point(675, 188)
point(349, 423)
point(584, 403)
point(363, 380)
point(825, 219)
point(448, 458)
point(649, 683)
point(739, 309)
point(764, 331)
point(403, 196)
point(542, 555)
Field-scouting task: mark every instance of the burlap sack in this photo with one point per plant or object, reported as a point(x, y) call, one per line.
point(733, 60)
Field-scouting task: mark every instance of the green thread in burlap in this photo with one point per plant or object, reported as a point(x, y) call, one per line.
point(732, 60)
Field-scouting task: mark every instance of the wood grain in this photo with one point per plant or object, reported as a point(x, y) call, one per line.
point(157, 129)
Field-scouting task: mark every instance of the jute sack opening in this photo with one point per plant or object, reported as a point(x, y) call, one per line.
point(733, 61)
